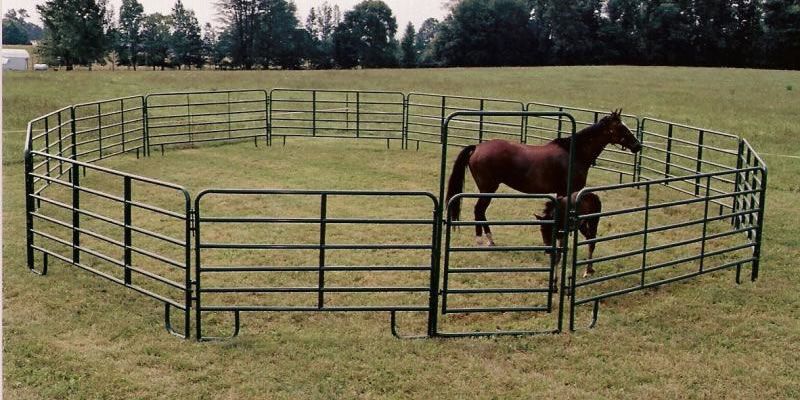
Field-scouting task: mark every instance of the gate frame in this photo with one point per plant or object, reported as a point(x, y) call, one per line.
point(322, 246)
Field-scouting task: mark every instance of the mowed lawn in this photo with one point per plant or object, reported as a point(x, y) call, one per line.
point(72, 335)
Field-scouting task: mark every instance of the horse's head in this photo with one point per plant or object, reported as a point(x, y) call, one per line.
point(618, 133)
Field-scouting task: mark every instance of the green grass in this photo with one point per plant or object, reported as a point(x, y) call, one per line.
point(70, 335)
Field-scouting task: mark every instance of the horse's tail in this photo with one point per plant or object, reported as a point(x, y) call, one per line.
point(456, 183)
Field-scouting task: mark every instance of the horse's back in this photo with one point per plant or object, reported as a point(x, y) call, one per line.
point(528, 169)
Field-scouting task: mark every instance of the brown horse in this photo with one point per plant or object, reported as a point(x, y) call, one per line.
point(557, 210)
point(533, 169)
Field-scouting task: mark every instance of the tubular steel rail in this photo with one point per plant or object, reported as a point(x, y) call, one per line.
point(90, 216)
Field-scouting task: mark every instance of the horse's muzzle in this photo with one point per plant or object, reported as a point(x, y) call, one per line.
point(637, 147)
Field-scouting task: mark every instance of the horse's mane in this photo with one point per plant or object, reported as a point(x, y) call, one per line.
point(565, 141)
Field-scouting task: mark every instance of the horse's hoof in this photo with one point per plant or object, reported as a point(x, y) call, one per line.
point(588, 273)
point(479, 241)
point(489, 240)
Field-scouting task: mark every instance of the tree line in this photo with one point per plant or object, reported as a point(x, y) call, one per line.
point(267, 34)
point(16, 28)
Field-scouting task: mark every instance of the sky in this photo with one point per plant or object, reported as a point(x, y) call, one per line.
point(414, 11)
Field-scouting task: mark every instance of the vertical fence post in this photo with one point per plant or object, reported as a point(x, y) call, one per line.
point(747, 200)
point(566, 228)
point(323, 212)
point(735, 219)
point(560, 122)
point(60, 146)
point(267, 117)
point(127, 229)
point(76, 216)
point(145, 128)
point(480, 124)
point(122, 122)
point(46, 144)
point(447, 225)
point(443, 141)
point(705, 223)
point(347, 110)
point(197, 270)
point(358, 114)
point(637, 158)
point(699, 167)
point(229, 115)
point(76, 200)
point(554, 249)
point(438, 216)
point(668, 157)
point(29, 203)
point(646, 227)
point(313, 113)
point(189, 117)
point(760, 227)
point(100, 129)
point(405, 123)
point(433, 296)
point(192, 222)
point(524, 134)
point(567, 280)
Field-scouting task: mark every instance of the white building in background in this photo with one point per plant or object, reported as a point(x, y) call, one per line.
point(15, 59)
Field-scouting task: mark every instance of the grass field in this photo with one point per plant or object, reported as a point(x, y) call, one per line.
point(71, 335)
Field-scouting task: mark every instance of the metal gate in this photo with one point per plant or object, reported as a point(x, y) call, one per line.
point(529, 282)
point(267, 260)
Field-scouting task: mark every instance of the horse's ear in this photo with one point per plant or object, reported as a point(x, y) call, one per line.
point(539, 217)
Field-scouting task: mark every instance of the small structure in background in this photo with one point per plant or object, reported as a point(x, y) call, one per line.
point(40, 67)
point(15, 59)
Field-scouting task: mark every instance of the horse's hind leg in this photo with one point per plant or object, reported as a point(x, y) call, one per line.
point(480, 215)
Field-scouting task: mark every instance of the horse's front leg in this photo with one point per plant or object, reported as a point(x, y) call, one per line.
point(480, 216)
point(589, 270)
point(589, 231)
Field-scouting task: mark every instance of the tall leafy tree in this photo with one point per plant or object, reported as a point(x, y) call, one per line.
point(782, 33)
point(424, 41)
point(713, 31)
point(16, 28)
point(131, 14)
point(573, 30)
point(746, 39)
point(156, 40)
point(619, 34)
point(408, 48)
point(280, 42)
point(485, 32)
point(320, 24)
point(14, 32)
point(366, 36)
point(74, 32)
point(213, 50)
point(667, 29)
point(186, 41)
point(240, 18)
